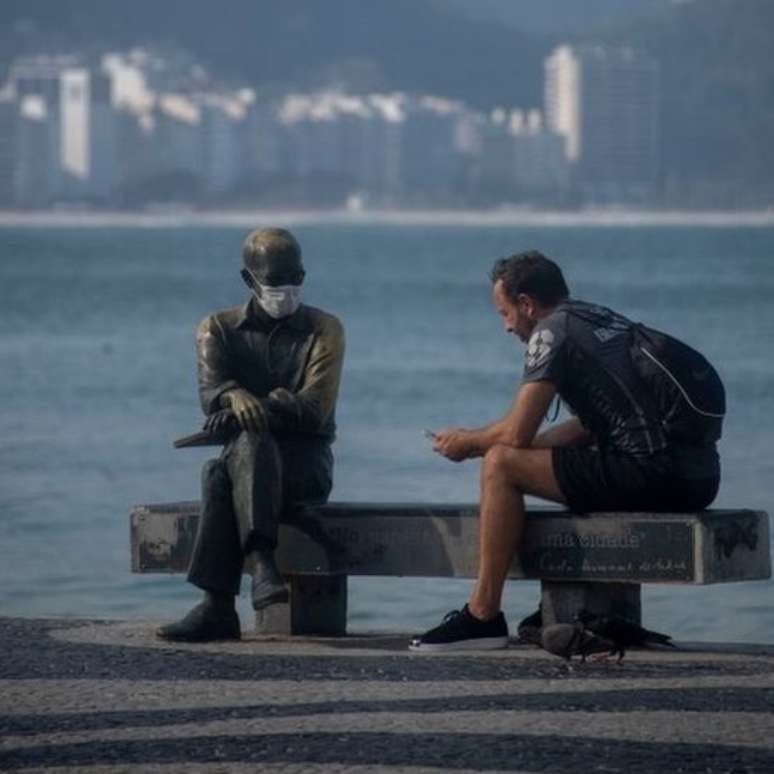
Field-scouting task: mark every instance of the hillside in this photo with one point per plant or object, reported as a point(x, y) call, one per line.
point(558, 17)
point(379, 44)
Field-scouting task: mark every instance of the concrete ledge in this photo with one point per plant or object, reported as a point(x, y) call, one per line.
point(437, 540)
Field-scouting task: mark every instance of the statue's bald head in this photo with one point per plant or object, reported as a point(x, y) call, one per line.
point(273, 257)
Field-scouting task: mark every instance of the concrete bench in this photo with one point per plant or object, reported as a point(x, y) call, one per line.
point(597, 561)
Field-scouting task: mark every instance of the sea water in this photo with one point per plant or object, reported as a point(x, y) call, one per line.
point(98, 378)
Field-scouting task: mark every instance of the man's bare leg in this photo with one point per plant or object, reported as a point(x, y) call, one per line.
point(507, 474)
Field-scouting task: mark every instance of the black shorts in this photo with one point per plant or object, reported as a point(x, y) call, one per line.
point(592, 480)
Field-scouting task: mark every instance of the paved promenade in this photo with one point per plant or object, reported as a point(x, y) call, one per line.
point(81, 696)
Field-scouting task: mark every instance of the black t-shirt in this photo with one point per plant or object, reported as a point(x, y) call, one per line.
point(584, 350)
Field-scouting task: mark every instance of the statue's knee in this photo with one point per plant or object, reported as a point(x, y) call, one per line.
point(254, 443)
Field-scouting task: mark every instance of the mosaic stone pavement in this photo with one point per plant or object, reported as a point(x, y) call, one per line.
point(82, 696)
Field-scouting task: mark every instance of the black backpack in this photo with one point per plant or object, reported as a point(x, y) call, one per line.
point(688, 393)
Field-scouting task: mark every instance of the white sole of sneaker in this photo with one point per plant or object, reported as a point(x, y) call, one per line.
point(480, 643)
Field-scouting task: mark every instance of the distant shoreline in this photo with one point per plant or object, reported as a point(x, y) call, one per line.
point(174, 217)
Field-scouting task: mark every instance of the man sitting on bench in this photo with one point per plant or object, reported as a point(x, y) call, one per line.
point(647, 412)
point(269, 374)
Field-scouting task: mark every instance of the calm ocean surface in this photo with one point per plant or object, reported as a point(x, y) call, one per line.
point(97, 363)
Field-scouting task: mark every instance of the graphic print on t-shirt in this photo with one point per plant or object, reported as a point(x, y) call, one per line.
point(539, 347)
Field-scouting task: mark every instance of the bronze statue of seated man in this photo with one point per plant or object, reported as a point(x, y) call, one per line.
point(269, 374)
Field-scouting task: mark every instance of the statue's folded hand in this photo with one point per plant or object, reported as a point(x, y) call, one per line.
point(219, 421)
point(248, 410)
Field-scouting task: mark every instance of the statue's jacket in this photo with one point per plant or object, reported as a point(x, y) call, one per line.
point(292, 365)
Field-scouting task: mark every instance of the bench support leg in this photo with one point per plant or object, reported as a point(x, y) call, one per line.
point(318, 605)
point(562, 600)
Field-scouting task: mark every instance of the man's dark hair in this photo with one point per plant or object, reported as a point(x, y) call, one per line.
point(532, 273)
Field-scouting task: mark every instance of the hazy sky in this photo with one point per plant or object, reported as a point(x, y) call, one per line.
point(556, 15)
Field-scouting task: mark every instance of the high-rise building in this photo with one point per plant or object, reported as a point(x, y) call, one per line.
point(103, 179)
point(75, 99)
point(343, 147)
point(177, 160)
point(433, 148)
point(9, 120)
point(74, 104)
point(265, 148)
point(37, 175)
point(384, 143)
point(519, 159)
point(223, 141)
point(37, 84)
point(88, 154)
point(605, 102)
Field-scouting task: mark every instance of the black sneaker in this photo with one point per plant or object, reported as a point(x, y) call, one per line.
point(460, 630)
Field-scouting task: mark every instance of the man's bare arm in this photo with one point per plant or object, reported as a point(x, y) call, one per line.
point(517, 428)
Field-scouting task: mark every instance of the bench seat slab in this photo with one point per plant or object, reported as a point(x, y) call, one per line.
point(442, 541)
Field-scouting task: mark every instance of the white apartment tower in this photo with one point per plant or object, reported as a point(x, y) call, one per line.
point(66, 110)
point(88, 133)
point(605, 102)
point(74, 112)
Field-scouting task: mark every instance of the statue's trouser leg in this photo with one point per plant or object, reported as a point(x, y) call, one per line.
point(307, 466)
point(242, 496)
point(216, 561)
point(255, 469)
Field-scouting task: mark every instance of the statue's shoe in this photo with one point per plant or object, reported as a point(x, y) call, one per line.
point(268, 587)
point(204, 623)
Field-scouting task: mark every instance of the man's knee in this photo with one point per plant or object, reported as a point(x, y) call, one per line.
point(509, 465)
point(531, 471)
point(499, 461)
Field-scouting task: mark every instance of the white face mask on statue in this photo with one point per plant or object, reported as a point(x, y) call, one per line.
point(280, 300)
